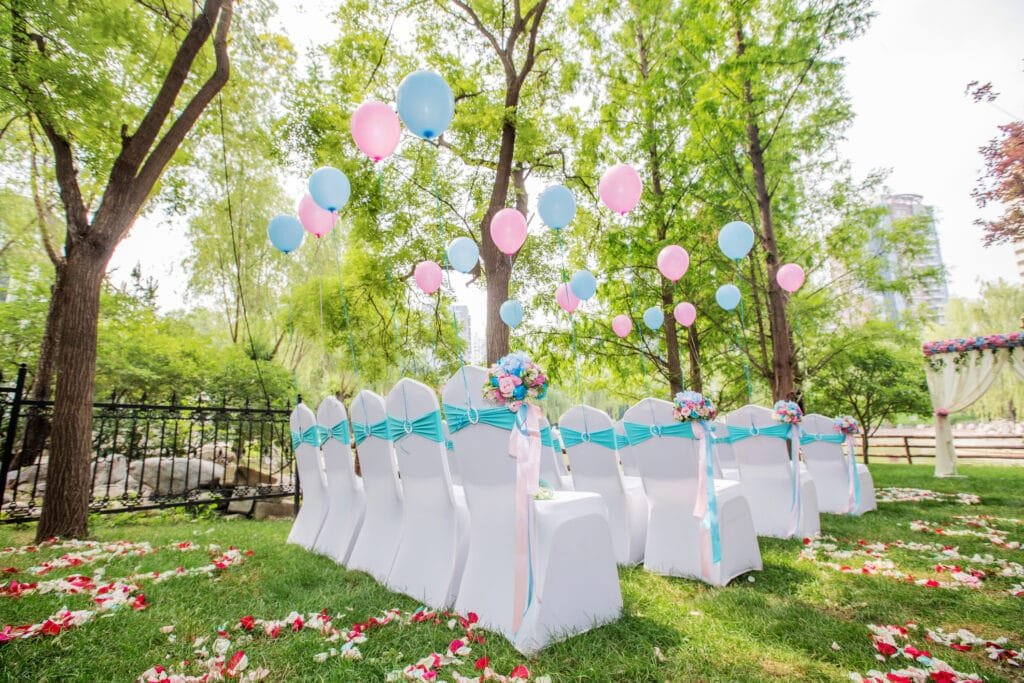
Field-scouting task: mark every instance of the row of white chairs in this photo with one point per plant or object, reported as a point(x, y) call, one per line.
point(433, 513)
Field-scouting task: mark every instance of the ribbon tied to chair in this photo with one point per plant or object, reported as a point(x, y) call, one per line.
point(606, 438)
point(363, 430)
point(851, 464)
point(314, 436)
point(524, 444)
point(706, 507)
point(546, 437)
point(338, 432)
point(427, 425)
point(782, 430)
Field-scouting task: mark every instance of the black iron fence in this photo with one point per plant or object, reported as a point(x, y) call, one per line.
point(147, 456)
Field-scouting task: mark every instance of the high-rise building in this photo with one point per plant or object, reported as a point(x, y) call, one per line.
point(931, 297)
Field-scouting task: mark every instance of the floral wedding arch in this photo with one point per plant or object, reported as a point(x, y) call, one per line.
point(959, 372)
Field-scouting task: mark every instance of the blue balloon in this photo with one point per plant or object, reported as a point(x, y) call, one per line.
point(463, 254)
point(556, 206)
point(511, 312)
point(736, 239)
point(425, 104)
point(654, 317)
point(329, 188)
point(728, 297)
point(583, 284)
point(285, 233)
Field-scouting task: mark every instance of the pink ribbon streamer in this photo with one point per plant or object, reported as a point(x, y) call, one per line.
point(794, 457)
point(524, 445)
point(700, 508)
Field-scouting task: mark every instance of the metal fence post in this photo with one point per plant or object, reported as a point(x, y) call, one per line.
point(12, 427)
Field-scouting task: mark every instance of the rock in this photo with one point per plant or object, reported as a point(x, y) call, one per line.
point(243, 507)
point(176, 475)
point(25, 476)
point(278, 508)
point(112, 469)
point(129, 486)
point(220, 453)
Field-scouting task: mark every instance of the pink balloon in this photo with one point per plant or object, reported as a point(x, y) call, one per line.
point(314, 219)
point(622, 325)
point(673, 261)
point(376, 129)
point(428, 276)
point(620, 188)
point(508, 230)
point(790, 277)
point(566, 299)
point(685, 313)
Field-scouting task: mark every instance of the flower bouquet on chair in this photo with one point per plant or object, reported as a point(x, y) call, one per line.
point(691, 406)
point(848, 426)
point(514, 380)
point(788, 412)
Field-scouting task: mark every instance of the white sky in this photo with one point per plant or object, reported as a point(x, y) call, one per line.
point(906, 79)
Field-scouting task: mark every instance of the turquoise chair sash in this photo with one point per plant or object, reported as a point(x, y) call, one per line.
point(602, 437)
point(778, 431)
point(428, 426)
point(362, 430)
point(638, 433)
point(807, 437)
point(314, 436)
point(546, 438)
point(338, 432)
point(460, 418)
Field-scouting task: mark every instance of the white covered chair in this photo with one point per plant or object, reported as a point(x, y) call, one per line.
point(306, 440)
point(626, 454)
point(729, 468)
point(552, 463)
point(767, 474)
point(828, 462)
point(669, 460)
point(590, 441)
point(346, 502)
point(575, 583)
point(435, 521)
point(377, 542)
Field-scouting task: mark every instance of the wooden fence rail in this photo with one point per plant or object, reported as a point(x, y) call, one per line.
point(905, 446)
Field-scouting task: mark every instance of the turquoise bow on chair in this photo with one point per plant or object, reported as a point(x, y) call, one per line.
point(638, 433)
point(314, 436)
point(602, 437)
point(807, 437)
point(378, 429)
point(460, 418)
point(428, 426)
point(338, 432)
point(778, 431)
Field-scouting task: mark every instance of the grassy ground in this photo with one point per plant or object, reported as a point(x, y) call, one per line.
point(782, 624)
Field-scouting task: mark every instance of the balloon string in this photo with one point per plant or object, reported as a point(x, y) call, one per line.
point(320, 284)
point(444, 254)
point(743, 336)
point(394, 301)
point(572, 320)
point(344, 307)
point(639, 327)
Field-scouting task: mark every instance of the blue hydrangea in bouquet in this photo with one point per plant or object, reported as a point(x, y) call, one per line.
point(788, 412)
point(846, 425)
point(515, 379)
point(689, 405)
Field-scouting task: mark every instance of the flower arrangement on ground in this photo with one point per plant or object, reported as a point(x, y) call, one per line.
point(690, 405)
point(515, 379)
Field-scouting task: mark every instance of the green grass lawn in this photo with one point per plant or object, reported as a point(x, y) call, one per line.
point(793, 620)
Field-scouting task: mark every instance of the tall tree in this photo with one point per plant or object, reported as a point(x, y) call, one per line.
point(62, 66)
point(1003, 182)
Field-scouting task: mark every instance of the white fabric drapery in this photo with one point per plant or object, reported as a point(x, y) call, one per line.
point(955, 381)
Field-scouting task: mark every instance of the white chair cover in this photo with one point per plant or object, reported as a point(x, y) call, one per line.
point(627, 456)
point(552, 461)
point(453, 465)
point(727, 464)
point(311, 478)
point(595, 468)
point(435, 521)
point(346, 502)
point(575, 583)
point(670, 466)
point(766, 475)
point(828, 463)
point(377, 542)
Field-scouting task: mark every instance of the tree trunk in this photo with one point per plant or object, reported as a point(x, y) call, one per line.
point(77, 300)
point(783, 358)
point(693, 344)
point(673, 361)
point(37, 424)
